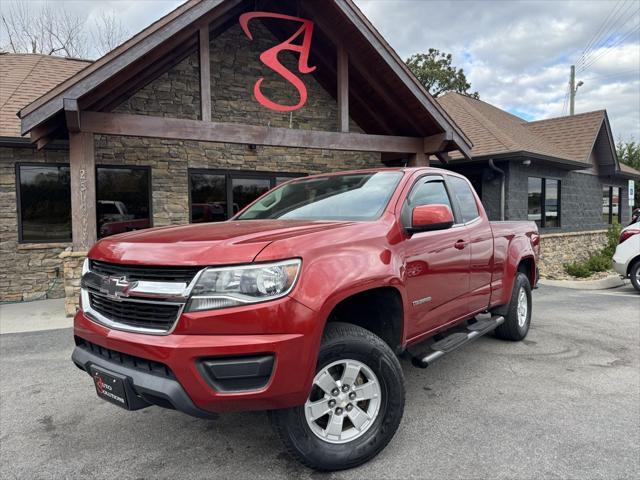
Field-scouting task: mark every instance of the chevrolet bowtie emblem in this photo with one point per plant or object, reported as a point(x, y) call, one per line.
point(117, 287)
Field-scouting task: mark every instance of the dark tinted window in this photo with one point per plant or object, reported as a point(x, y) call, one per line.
point(466, 199)
point(123, 200)
point(611, 200)
point(208, 197)
point(246, 190)
point(534, 212)
point(551, 203)
point(45, 203)
point(544, 201)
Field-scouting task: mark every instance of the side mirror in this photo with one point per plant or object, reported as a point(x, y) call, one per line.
point(425, 218)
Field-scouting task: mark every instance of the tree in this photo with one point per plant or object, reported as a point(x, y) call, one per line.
point(435, 72)
point(629, 154)
point(109, 32)
point(55, 29)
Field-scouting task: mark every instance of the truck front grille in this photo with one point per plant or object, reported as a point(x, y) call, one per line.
point(137, 314)
point(146, 273)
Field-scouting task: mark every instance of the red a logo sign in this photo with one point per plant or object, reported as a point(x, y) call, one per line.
point(270, 58)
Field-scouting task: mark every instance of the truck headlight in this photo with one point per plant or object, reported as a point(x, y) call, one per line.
point(232, 286)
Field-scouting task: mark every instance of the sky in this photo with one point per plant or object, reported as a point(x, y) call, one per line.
point(516, 54)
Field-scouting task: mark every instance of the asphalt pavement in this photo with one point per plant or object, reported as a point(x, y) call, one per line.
point(565, 403)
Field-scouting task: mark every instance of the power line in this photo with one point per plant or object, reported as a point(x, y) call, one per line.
point(609, 49)
point(612, 26)
point(566, 98)
point(615, 74)
point(596, 36)
point(593, 54)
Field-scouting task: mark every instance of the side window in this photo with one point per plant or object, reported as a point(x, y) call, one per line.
point(466, 199)
point(426, 191)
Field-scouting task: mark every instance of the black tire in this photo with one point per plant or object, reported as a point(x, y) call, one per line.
point(346, 341)
point(634, 275)
point(512, 329)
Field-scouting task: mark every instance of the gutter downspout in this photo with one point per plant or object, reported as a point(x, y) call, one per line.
point(502, 187)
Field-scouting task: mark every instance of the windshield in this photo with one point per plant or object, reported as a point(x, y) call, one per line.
point(354, 196)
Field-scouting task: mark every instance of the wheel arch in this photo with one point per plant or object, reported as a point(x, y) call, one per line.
point(378, 309)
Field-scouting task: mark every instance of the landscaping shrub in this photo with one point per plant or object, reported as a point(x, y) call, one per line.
point(599, 262)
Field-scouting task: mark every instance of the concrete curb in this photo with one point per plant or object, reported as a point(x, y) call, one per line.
point(614, 281)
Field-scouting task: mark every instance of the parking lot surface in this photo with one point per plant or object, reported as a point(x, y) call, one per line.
point(565, 403)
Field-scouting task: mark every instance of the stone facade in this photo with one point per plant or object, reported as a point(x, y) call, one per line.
point(29, 270)
point(234, 70)
point(174, 94)
point(72, 262)
point(558, 249)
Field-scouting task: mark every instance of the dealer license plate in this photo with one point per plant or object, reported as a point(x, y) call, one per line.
point(110, 386)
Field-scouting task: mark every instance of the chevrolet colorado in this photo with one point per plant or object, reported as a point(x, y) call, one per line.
point(302, 304)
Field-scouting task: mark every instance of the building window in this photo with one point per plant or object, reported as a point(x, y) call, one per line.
point(44, 203)
point(611, 204)
point(543, 204)
point(217, 195)
point(123, 199)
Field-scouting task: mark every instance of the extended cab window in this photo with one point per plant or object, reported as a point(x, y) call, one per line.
point(466, 199)
point(426, 191)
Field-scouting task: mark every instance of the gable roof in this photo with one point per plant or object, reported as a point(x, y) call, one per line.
point(575, 135)
point(494, 131)
point(416, 113)
point(575, 141)
point(24, 77)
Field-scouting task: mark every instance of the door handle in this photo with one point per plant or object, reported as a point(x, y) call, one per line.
point(460, 244)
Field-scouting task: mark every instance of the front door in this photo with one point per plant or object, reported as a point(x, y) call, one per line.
point(437, 264)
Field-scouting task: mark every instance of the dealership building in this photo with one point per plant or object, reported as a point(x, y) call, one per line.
point(194, 117)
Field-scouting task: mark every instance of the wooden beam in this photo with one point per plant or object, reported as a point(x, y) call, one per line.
point(71, 114)
point(83, 190)
point(205, 74)
point(436, 143)
point(179, 129)
point(443, 157)
point(123, 56)
point(343, 89)
point(313, 10)
point(418, 159)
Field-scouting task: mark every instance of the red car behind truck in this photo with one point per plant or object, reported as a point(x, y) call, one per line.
point(302, 303)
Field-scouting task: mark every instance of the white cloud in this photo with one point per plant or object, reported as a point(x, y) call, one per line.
point(517, 55)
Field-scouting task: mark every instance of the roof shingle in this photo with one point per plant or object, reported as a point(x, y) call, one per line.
point(24, 77)
point(494, 131)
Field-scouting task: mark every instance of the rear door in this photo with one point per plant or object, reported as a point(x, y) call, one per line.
point(436, 263)
point(480, 242)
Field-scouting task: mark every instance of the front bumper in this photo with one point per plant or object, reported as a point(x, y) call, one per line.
point(188, 388)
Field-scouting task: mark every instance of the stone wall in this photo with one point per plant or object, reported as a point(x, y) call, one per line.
point(235, 67)
point(558, 249)
point(72, 262)
point(174, 94)
point(32, 270)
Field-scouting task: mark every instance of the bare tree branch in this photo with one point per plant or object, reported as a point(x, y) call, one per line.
point(51, 28)
point(109, 32)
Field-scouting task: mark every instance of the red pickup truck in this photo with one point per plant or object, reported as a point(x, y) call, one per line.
point(302, 304)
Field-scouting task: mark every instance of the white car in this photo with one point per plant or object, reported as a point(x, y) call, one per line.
point(626, 260)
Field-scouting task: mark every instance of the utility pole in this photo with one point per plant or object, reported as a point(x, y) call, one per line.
point(573, 89)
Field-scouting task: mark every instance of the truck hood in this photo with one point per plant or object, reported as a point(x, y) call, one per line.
point(223, 243)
